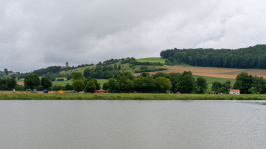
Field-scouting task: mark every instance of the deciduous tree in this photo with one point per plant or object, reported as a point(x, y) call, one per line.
point(31, 81)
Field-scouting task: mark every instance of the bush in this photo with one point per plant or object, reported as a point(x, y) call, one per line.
point(19, 88)
point(60, 80)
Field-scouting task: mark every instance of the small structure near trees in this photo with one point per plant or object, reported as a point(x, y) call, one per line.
point(234, 92)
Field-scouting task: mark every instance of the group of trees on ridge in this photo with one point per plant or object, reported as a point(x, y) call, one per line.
point(251, 57)
point(112, 68)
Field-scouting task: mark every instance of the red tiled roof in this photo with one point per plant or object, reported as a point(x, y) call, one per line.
point(11, 73)
point(234, 90)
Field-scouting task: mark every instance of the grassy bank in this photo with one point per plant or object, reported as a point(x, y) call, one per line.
point(77, 96)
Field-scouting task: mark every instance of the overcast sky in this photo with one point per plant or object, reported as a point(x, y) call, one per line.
point(37, 34)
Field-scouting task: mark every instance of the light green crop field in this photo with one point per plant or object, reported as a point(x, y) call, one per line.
point(152, 59)
point(102, 81)
point(81, 69)
point(210, 80)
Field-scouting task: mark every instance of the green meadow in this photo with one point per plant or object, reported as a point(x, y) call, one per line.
point(152, 59)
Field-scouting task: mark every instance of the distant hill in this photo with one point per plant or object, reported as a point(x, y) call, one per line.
point(251, 57)
point(126, 64)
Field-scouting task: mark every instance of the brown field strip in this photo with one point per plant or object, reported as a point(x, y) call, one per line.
point(229, 73)
point(20, 83)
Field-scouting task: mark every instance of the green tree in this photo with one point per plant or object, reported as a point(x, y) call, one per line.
point(139, 84)
point(115, 67)
point(149, 84)
point(105, 86)
point(158, 74)
point(13, 76)
point(6, 71)
point(124, 84)
point(201, 85)
point(259, 85)
point(174, 78)
point(46, 83)
point(243, 82)
point(78, 85)
point(162, 84)
point(77, 76)
point(69, 77)
point(187, 83)
point(69, 87)
point(97, 85)
point(2, 84)
point(31, 81)
point(90, 87)
point(226, 86)
point(216, 86)
point(87, 73)
point(10, 83)
point(112, 85)
point(50, 76)
point(127, 74)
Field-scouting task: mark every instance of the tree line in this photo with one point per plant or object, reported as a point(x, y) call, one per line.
point(144, 83)
point(251, 57)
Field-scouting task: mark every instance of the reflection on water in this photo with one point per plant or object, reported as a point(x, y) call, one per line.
point(132, 124)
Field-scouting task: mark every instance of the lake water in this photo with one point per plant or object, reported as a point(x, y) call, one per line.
point(129, 124)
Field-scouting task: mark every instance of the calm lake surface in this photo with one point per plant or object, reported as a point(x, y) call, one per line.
point(129, 124)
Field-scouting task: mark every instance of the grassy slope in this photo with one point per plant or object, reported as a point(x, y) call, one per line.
point(81, 69)
point(125, 67)
point(152, 59)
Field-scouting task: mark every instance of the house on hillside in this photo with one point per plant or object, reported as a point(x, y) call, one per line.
point(12, 73)
point(234, 92)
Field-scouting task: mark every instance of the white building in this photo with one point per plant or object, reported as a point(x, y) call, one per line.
point(234, 92)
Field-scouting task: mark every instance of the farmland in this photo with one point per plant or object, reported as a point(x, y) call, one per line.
point(211, 74)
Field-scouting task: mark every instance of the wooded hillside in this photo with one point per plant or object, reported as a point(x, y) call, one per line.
point(251, 57)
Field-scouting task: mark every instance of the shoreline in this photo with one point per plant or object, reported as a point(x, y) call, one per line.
point(127, 96)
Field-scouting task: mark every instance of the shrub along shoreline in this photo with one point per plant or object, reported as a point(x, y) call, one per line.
point(130, 96)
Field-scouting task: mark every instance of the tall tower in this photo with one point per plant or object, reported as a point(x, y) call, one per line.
point(66, 64)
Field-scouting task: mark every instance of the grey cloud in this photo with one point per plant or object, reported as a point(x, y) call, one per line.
point(36, 34)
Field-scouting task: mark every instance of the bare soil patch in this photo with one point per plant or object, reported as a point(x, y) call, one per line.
point(20, 83)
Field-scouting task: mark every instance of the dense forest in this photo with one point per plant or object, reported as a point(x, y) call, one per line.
point(251, 57)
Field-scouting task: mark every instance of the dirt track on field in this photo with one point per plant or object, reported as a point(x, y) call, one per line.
point(229, 73)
